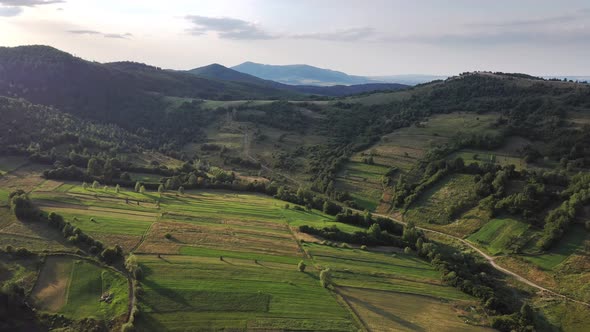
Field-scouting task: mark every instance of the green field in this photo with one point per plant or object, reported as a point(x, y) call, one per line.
point(497, 234)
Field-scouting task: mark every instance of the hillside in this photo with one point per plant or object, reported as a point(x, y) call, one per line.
point(126, 93)
point(300, 74)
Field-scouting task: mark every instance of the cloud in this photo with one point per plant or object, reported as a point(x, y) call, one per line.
point(10, 8)
point(28, 3)
point(84, 32)
point(351, 34)
point(106, 35)
point(542, 21)
point(118, 35)
point(226, 28)
point(10, 11)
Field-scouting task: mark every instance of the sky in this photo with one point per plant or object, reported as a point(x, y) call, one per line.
point(361, 37)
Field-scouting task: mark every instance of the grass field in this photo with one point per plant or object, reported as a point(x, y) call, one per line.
point(432, 205)
point(73, 288)
point(496, 235)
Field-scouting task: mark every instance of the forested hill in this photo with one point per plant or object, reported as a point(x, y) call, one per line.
point(126, 93)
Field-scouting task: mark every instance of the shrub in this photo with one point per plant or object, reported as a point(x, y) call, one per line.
point(407, 250)
point(363, 247)
point(168, 236)
point(326, 278)
point(301, 266)
point(95, 184)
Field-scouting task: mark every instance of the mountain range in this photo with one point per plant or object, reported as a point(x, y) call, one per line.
point(310, 75)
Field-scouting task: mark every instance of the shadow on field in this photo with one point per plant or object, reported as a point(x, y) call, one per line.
point(385, 314)
point(168, 293)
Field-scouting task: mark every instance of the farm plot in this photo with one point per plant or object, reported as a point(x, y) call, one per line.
point(205, 293)
point(434, 205)
point(400, 272)
point(363, 182)
point(391, 311)
point(74, 288)
point(399, 291)
point(498, 235)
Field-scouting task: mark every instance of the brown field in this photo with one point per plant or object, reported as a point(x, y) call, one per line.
point(223, 237)
point(27, 178)
point(51, 290)
point(392, 311)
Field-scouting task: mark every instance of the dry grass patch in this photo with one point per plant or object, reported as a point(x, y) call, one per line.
point(391, 311)
point(51, 290)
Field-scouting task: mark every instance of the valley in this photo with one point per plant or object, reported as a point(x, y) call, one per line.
point(456, 205)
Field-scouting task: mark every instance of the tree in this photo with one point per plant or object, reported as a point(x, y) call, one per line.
point(137, 186)
point(301, 266)
point(117, 188)
point(407, 250)
point(192, 179)
point(181, 190)
point(84, 185)
point(95, 184)
point(94, 167)
point(160, 189)
point(375, 231)
point(108, 170)
point(326, 277)
point(142, 189)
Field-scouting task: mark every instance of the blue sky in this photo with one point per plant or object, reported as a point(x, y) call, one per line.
point(370, 37)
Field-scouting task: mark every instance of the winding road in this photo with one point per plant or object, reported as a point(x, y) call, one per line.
point(490, 260)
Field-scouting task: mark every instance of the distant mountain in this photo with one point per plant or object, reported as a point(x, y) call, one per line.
point(301, 74)
point(219, 72)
